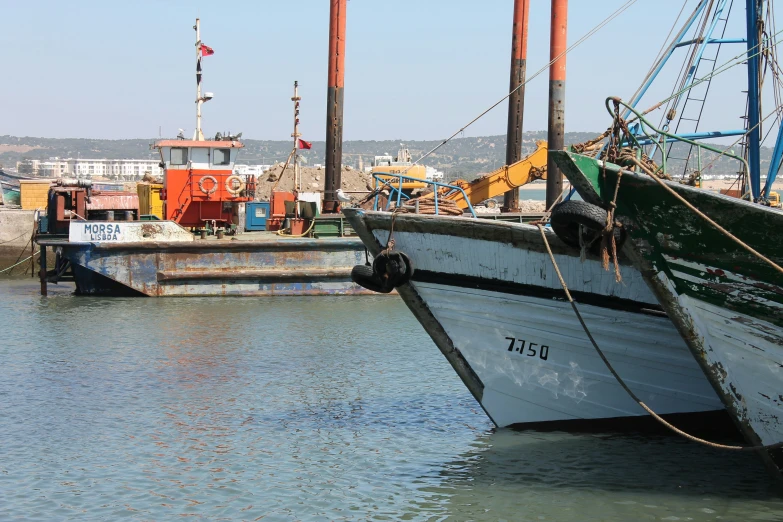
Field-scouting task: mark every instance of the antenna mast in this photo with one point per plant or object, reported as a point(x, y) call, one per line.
point(197, 134)
point(296, 136)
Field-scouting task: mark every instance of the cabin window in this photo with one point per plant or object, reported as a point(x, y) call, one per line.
point(179, 156)
point(221, 156)
point(199, 155)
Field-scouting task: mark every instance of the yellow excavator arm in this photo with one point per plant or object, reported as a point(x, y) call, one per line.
point(502, 180)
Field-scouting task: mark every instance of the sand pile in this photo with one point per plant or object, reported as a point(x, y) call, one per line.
point(532, 205)
point(312, 180)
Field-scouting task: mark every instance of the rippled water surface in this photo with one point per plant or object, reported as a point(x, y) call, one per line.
point(302, 409)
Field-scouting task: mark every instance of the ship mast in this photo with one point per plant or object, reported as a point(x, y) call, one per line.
point(516, 102)
point(197, 134)
point(557, 79)
point(334, 105)
point(753, 21)
point(296, 135)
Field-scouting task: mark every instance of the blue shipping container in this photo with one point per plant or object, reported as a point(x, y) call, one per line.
point(256, 213)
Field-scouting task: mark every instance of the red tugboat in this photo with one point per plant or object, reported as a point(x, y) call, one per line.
point(200, 187)
point(186, 253)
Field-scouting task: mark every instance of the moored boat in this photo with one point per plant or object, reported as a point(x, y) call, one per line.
point(486, 293)
point(726, 300)
point(713, 261)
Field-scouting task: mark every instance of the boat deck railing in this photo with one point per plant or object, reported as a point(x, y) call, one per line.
point(394, 183)
point(644, 134)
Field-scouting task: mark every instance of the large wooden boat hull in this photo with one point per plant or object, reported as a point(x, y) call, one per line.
point(487, 294)
point(726, 303)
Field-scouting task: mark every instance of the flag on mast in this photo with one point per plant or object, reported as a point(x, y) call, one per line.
point(305, 144)
point(206, 50)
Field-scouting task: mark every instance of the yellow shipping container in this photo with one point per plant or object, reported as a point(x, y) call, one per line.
point(149, 199)
point(34, 193)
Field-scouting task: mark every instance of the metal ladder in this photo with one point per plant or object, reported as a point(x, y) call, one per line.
point(679, 155)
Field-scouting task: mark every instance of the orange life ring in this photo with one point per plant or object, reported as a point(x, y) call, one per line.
point(212, 189)
point(231, 189)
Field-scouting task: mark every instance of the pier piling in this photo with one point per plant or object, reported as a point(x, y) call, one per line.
point(516, 102)
point(44, 290)
point(334, 105)
point(557, 79)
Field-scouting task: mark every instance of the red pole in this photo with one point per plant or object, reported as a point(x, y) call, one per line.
point(334, 105)
point(557, 78)
point(516, 102)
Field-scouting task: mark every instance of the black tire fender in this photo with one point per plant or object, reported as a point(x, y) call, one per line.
point(395, 268)
point(567, 218)
point(364, 276)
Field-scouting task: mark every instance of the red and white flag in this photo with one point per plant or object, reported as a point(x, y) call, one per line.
point(305, 144)
point(206, 50)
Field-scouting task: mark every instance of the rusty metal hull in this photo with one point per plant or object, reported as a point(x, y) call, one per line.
point(487, 294)
point(214, 268)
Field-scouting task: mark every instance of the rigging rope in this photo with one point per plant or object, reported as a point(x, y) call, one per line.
point(281, 232)
point(282, 172)
point(590, 33)
point(739, 59)
point(660, 56)
point(14, 239)
point(742, 137)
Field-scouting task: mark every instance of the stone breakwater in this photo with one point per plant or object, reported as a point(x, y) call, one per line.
point(16, 228)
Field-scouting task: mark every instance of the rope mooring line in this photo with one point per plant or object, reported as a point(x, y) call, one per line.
point(19, 263)
point(14, 239)
point(625, 387)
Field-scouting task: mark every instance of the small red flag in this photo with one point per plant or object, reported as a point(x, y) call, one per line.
point(305, 144)
point(206, 50)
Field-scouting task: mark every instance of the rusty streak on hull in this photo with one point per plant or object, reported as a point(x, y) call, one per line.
point(332, 245)
point(263, 275)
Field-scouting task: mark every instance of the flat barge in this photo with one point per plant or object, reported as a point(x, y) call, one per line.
point(163, 259)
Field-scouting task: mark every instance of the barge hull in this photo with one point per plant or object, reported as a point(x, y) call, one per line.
point(214, 268)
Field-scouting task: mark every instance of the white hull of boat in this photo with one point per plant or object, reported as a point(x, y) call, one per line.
point(497, 311)
point(552, 372)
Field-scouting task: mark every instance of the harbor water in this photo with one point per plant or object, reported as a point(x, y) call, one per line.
point(309, 408)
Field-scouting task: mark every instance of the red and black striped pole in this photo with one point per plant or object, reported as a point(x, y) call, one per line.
point(557, 78)
point(516, 102)
point(334, 105)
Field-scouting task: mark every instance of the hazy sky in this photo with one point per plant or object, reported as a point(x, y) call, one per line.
point(415, 69)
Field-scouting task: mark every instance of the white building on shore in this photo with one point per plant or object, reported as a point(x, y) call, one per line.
point(121, 169)
point(255, 170)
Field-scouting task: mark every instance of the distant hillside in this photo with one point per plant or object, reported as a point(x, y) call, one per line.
point(460, 158)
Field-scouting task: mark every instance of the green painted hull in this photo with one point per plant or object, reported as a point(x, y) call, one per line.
point(726, 302)
point(11, 196)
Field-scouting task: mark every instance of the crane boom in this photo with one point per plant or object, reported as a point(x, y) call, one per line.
point(496, 183)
